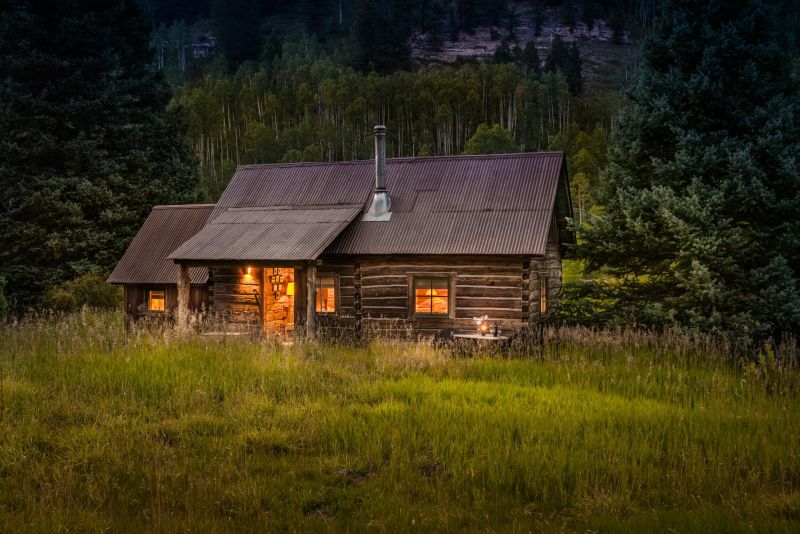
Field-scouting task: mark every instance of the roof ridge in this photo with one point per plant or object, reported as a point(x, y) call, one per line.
point(296, 207)
point(546, 153)
point(182, 206)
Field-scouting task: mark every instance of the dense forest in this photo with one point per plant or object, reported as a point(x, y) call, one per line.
point(310, 94)
point(109, 109)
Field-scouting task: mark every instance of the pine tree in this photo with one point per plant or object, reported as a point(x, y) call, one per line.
point(502, 54)
point(703, 191)
point(530, 58)
point(88, 143)
point(379, 37)
point(617, 27)
point(566, 59)
point(236, 25)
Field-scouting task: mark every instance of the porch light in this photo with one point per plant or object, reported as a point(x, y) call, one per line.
point(248, 277)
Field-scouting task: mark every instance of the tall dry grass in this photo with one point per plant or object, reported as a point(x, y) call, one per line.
point(154, 431)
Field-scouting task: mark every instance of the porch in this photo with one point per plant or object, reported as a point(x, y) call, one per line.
point(275, 300)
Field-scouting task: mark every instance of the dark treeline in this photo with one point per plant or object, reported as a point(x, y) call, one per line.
point(378, 31)
point(88, 141)
point(307, 108)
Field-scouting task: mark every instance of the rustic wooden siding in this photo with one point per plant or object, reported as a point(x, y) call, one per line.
point(490, 285)
point(135, 299)
point(548, 267)
point(343, 322)
point(235, 299)
point(374, 293)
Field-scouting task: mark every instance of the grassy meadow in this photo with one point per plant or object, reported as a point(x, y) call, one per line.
point(605, 432)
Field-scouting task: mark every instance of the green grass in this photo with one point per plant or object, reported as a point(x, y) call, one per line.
point(610, 433)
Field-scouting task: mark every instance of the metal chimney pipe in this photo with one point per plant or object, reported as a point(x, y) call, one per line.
point(381, 203)
point(380, 157)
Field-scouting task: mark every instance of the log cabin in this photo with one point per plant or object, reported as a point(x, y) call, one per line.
point(149, 279)
point(423, 243)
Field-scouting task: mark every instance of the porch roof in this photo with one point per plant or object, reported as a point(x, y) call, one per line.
point(271, 233)
point(145, 261)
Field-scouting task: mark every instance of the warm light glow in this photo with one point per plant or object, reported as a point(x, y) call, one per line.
point(155, 301)
point(290, 289)
point(431, 296)
point(326, 295)
point(248, 277)
point(484, 327)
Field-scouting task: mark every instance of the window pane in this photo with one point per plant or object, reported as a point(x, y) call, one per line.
point(439, 283)
point(326, 295)
point(155, 301)
point(431, 295)
point(422, 300)
point(439, 305)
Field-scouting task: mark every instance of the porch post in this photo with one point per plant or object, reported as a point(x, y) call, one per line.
point(183, 297)
point(311, 301)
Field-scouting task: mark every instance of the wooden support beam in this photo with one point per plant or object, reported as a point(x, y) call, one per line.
point(297, 300)
point(311, 301)
point(183, 297)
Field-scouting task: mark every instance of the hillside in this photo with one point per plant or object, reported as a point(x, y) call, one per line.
point(606, 63)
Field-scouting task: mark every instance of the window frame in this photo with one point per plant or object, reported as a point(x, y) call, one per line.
point(336, 293)
point(450, 276)
point(149, 298)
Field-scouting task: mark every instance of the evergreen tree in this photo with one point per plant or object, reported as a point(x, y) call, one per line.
point(566, 59)
point(530, 58)
point(380, 36)
point(568, 14)
point(573, 70)
point(538, 19)
point(237, 28)
point(467, 15)
point(88, 143)
point(617, 27)
point(503, 53)
point(703, 191)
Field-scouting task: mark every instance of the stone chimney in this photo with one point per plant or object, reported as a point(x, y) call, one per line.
point(381, 203)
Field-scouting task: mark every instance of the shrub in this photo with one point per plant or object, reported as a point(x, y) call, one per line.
point(90, 289)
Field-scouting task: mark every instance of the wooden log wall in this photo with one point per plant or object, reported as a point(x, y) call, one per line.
point(548, 267)
point(236, 298)
point(482, 285)
point(135, 298)
point(343, 323)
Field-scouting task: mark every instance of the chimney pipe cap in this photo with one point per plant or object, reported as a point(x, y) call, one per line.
point(379, 129)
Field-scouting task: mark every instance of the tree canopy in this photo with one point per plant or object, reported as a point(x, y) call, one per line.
point(88, 143)
point(494, 140)
point(701, 198)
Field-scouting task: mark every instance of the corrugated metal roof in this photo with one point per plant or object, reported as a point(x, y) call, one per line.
point(145, 261)
point(299, 185)
point(497, 204)
point(279, 233)
point(489, 204)
point(487, 232)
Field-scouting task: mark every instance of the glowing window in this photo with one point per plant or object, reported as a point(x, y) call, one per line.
point(326, 294)
point(431, 296)
point(543, 295)
point(155, 300)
